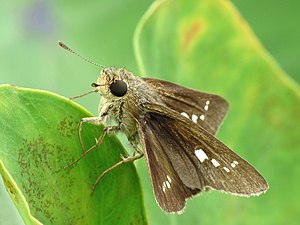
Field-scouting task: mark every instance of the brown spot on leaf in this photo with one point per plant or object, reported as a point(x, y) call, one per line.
point(41, 168)
point(10, 188)
point(66, 127)
point(190, 35)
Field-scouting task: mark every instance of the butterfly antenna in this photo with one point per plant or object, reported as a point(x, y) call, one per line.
point(64, 46)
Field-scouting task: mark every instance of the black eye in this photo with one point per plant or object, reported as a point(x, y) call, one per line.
point(118, 88)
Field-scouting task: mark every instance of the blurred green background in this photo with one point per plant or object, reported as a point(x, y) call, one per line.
point(103, 31)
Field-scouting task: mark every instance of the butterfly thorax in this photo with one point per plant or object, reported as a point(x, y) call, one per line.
point(126, 110)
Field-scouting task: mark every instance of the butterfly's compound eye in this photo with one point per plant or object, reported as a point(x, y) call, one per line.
point(118, 88)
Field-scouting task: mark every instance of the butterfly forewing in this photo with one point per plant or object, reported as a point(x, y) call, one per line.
point(206, 110)
point(199, 159)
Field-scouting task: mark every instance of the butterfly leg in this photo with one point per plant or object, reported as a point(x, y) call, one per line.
point(92, 120)
point(96, 121)
point(124, 160)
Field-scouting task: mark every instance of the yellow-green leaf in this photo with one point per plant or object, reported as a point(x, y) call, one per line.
point(207, 45)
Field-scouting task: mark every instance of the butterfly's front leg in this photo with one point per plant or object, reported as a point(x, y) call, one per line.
point(95, 121)
point(104, 110)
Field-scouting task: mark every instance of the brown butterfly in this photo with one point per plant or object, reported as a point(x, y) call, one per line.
point(175, 127)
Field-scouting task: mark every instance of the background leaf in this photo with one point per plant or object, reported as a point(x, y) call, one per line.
point(206, 45)
point(38, 138)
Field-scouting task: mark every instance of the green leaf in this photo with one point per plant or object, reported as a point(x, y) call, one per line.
point(206, 45)
point(38, 138)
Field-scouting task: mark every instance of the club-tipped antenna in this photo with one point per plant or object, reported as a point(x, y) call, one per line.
point(64, 46)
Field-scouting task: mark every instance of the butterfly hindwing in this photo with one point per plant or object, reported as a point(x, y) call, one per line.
point(169, 190)
point(206, 110)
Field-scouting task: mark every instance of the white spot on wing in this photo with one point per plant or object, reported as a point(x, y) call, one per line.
point(234, 163)
point(201, 155)
point(215, 163)
point(169, 178)
point(202, 117)
point(194, 118)
point(185, 115)
point(206, 105)
point(168, 184)
point(226, 169)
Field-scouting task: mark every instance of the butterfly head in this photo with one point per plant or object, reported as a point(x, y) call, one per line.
point(111, 82)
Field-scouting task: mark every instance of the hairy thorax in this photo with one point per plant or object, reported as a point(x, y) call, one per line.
point(127, 110)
